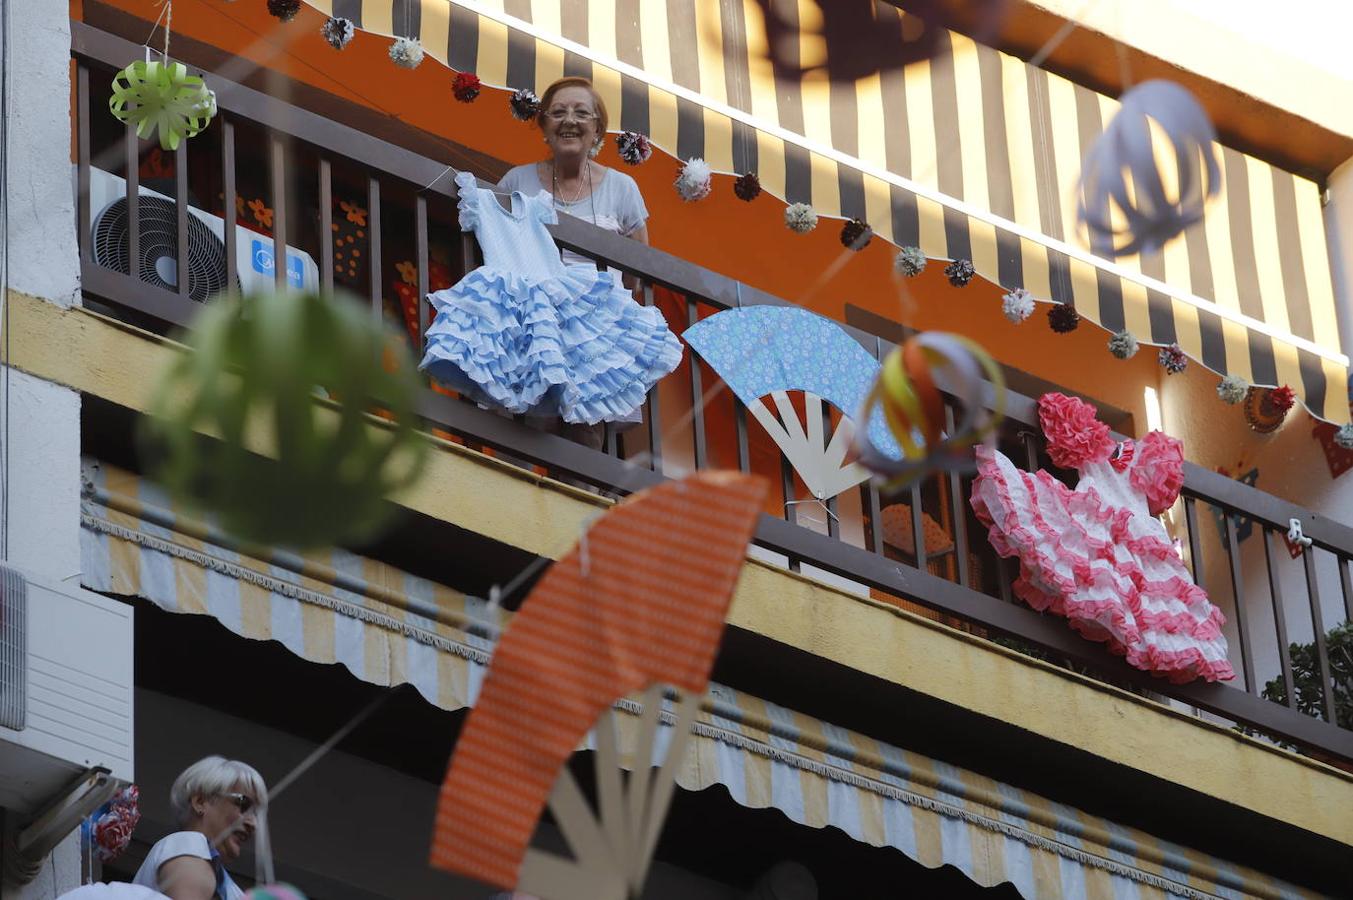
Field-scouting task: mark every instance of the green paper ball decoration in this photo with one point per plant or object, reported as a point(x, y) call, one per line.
point(253, 380)
point(1344, 437)
point(162, 96)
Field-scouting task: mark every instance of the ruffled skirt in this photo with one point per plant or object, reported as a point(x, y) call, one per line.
point(575, 346)
point(1114, 576)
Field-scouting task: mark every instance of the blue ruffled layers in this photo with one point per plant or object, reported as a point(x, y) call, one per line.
point(575, 346)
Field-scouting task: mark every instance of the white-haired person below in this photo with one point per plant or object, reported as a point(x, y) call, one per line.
point(216, 802)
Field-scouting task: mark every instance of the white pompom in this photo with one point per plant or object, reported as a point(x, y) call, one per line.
point(693, 182)
point(407, 52)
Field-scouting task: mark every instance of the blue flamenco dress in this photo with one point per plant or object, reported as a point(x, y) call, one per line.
point(526, 333)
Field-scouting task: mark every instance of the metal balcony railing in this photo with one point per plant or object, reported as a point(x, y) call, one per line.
point(303, 163)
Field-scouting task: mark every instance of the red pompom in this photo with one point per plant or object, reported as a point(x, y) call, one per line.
point(466, 87)
point(1282, 398)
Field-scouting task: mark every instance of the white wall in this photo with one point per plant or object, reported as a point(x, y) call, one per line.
point(43, 256)
point(40, 440)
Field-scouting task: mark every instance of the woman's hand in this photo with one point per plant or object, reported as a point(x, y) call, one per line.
point(187, 878)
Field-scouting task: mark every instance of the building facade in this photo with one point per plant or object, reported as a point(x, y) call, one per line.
point(885, 718)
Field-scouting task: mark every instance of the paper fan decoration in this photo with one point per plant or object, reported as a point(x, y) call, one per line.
point(162, 97)
point(767, 351)
point(1126, 202)
point(257, 366)
point(595, 629)
point(1266, 408)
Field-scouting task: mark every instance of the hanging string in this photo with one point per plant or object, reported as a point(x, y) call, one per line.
point(167, 16)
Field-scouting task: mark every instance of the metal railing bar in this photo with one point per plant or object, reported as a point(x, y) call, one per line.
point(181, 217)
point(1238, 589)
point(326, 225)
point(1318, 625)
point(1279, 618)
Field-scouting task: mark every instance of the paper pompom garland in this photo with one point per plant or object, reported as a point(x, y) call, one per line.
point(525, 105)
point(747, 187)
point(1173, 359)
point(1123, 344)
point(1343, 438)
point(160, 96)
point(1232, 389)
point(856, 234)
point(909, 262)
point(1018, 305)
point(284, 10)
point(1063, 318)
point(959, 272)
point(693, 181)
point(407, 52)
point(466, 87)
point(633, 147)
point(800, 218)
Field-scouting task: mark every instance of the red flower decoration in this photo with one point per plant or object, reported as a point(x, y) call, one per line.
point(113, 830)
point(1282, 398)
point(466, 87)
point(1075, 435)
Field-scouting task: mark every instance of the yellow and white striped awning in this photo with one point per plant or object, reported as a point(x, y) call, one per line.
point(337, 607)
point(972, 154)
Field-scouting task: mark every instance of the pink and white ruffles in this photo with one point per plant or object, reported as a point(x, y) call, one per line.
point(1097, 555)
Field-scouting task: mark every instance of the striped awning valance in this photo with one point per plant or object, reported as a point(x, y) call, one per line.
point(389, 627)
point(972, 154)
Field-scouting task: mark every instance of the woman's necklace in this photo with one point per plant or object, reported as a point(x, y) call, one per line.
point(554, 194)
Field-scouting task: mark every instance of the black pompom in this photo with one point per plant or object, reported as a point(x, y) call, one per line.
point(856, 234)
point(525, 104)
point(747, 187)
point(1063, 318)
point(959, 272)
point(285, 10)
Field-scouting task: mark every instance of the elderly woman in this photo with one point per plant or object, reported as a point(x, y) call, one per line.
point(216, 802)
point(573, 121)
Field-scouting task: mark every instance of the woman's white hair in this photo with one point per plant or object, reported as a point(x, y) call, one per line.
point(211, 776)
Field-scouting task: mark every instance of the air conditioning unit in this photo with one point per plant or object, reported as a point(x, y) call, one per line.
point(65, 687)
point(254, 264)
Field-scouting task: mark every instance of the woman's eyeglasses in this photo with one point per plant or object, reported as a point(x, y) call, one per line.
point(581, 115)
point(243, 801)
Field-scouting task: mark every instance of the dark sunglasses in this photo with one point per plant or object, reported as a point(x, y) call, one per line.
point(243, 801)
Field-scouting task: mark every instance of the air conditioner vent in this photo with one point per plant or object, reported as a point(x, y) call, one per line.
point(158, 264)
point(13, 648)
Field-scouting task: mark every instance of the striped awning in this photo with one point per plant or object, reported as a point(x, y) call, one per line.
point(972, 154)
point(389, 628)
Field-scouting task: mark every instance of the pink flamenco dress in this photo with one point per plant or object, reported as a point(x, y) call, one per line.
point(1097, 554)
